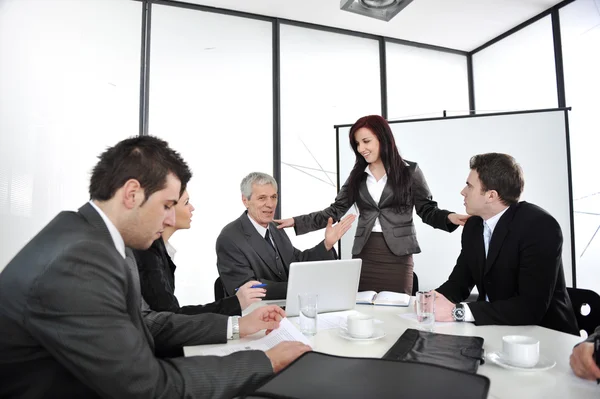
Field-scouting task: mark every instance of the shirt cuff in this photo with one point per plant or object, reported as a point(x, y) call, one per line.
point(229, 329)
point(468, 314)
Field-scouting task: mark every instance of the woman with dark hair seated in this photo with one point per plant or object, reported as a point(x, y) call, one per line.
point(157, 274)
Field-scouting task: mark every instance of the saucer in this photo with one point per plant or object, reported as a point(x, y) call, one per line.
point(378, 333)
point(542, 364)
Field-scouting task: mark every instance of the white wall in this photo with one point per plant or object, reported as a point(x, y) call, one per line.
point(518, 72)
point(580, 30)
point(211, 99)
point(320, 85)
point(69, 88)
point(424, 83)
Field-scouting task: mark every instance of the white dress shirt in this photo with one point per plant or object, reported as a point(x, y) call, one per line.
point(375, 188)
point(112, 229)
point(261, 230)
point(491, 223)
point(120, 246)
point(170, 250)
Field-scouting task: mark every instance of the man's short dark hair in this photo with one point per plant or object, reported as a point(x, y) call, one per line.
point(499, 172)
point(147, 159)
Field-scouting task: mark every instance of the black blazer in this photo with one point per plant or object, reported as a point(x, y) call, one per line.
point(71, 326)
point(157, 280)
point(398, 227)
point(244, 255)
point(522, 276)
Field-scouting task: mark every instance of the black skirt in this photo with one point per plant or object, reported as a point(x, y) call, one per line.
point(382, 270)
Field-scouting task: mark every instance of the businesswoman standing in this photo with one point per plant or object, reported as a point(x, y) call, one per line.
point(385, 188)
point(157, 273)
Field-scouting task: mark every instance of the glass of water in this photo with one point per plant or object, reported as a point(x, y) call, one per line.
point(426, 309)
point(308, 312)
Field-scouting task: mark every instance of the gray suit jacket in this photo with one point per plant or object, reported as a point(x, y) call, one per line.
point(398, 228)
point(244, 255)
point(71, 326)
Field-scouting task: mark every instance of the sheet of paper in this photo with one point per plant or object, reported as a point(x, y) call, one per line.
point(327, 321)
point(286, 332)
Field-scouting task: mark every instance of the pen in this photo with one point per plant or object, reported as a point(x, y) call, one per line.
point(255, 286)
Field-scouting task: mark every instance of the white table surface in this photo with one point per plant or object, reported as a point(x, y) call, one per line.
point(558, 382)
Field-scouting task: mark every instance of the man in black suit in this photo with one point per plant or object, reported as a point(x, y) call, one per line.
point(252, 248)
point(71, 320)
point(511, 251)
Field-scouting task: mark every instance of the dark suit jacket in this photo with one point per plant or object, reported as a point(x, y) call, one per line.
point(522, 276)
point(593, 336)
point(71, 326)
point(397, 227)
point(244, 255)
point(157, 278)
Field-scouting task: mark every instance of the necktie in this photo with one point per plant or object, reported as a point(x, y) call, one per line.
point(268, 238)
point(487, 236)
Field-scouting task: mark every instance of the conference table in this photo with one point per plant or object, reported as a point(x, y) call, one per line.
point(557, 382)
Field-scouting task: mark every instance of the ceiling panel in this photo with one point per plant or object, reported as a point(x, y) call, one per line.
point(459, 24)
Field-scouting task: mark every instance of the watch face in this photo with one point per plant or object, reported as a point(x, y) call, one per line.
point(459, 313)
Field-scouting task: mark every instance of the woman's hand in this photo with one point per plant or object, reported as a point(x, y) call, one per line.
point(283, 223)
point(248, 295)
point(457, 219)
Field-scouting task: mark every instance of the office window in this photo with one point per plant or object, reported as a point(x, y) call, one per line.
point(580, 31)
point(211, 98)
point(69, 87)
point(424, 83)
point(326, 79)
point(517, 72)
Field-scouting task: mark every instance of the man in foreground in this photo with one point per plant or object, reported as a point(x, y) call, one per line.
point(70, 318)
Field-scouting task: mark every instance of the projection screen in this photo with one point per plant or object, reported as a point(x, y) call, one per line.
point(443, 146)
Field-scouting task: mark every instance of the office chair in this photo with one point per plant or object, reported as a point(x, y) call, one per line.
point(581, 297)
point(219, 289)
point(415, 284)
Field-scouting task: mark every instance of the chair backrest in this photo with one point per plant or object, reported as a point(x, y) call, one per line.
point(415, 284)
point(219, 289)
point(587, 321)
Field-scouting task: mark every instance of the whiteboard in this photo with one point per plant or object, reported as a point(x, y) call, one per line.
point(443, 146)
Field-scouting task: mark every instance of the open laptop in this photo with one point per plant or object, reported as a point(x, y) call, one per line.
point(335, 281)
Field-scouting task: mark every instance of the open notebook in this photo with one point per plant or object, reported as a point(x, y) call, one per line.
point(385, 298)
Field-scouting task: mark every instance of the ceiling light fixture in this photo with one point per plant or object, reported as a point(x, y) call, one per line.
point(379, 9)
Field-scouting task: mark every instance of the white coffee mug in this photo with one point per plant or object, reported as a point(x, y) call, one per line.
point(360, 325)
point(520, 350)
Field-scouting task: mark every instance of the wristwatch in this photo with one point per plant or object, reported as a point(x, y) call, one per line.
point(235, 327)
point(458, 313)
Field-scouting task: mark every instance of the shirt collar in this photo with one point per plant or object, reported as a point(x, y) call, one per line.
point(493, 221)
point(368, 171)
point(114, 232)
point(261, 230)
point(170, 250)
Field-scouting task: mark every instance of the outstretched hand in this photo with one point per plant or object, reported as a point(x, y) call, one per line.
point(263, 318)
point(458, 219)
point(283, 223)
point(334, 233)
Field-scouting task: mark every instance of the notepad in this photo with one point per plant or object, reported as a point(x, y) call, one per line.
point(385, 298)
